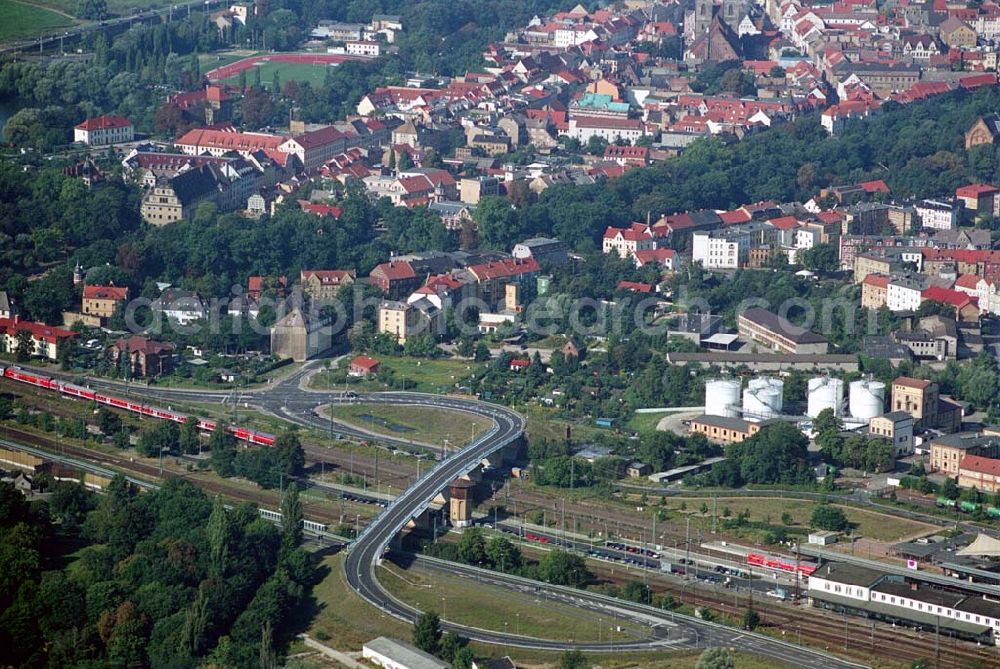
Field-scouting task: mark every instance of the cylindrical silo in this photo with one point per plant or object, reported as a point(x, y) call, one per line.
point(825, 393)
point(763, 399)
point(866, 399)
point(722, 397)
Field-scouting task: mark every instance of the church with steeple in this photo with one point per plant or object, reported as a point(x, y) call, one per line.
point(713, 31)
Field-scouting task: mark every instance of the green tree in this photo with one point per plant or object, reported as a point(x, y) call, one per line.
point(219, 532)
point(561, 568)
point(108, 421)
point(573, 659)
point(502, 555)
point(451, 644)
point(291, 520)
point(290, 455)
point(826, 517)
point(25, 346)
point(751, 619)
point(427, 632)
point(188, 440)
point(472, 547)
point(716, 658)
point(223, 448)
point(949, 488)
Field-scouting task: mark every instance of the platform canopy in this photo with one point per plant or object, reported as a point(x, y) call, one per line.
point(983, 545)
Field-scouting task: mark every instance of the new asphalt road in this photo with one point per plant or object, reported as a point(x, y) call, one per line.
point(292, 400)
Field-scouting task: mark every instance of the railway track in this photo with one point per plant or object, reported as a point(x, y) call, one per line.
point(150, 472)
point(818, 627)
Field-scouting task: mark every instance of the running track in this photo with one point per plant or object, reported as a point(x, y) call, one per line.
point(233, 69)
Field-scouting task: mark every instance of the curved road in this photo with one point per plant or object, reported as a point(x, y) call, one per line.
point(292, 400)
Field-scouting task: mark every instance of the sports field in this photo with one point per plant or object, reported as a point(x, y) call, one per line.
point(309, 67)
point(21, 19)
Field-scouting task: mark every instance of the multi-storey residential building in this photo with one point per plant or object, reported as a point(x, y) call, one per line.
point(46, 341)
point(627, 241)
point(405, 320)
point(472, 190)
point(948, 452)
point(896, 427)
point(984, 290)
point(764, 327)
point(323, 285)
point(493, 277)
point(869, 263)
point(904, 293)
point(937, 214)
point(874, 291)
point(721, 249)
point(101, 301)
point(104, 130)
point(145, 356)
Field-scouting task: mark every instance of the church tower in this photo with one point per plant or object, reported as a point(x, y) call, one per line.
point(703, 10)
point(733, 11)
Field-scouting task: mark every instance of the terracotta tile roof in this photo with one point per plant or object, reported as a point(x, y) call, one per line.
point(39, 331)
point(877, 280)
point(635, 286)
point(980, 465)
point(104, 123)
point(105, 293)
point(911, 382)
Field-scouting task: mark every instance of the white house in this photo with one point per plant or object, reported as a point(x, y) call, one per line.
point(627, 241)
point(103, 130)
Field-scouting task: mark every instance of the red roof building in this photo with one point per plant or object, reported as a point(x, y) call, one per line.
point(46, 338)
point(102, 130)
point(363, 366)
point(666, 258)
point(636, 156)
point(634, 287)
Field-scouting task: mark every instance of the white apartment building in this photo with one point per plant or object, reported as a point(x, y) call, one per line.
point(904, 294)
point(937, 214)
point(728, 250)
point(363, 48)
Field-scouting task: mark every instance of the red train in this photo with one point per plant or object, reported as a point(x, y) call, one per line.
point(804, 568)
point(18, 374)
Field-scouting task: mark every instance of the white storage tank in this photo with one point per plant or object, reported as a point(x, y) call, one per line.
point(722, 397)
point(763, 399)
point(825, 393)
point(866, 399)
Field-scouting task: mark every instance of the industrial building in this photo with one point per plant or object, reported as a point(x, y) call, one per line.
point(847, 588)
point(395, 654)
point(763, 327)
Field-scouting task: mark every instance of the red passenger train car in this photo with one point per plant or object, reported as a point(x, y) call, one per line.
point(72, 390)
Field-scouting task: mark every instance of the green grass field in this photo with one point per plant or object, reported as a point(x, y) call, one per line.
point(21, 20)
point(869, 524)
point(115, 7)
point(430, 376)
point(304, 72)
point(422, 424)
point(489, 607)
